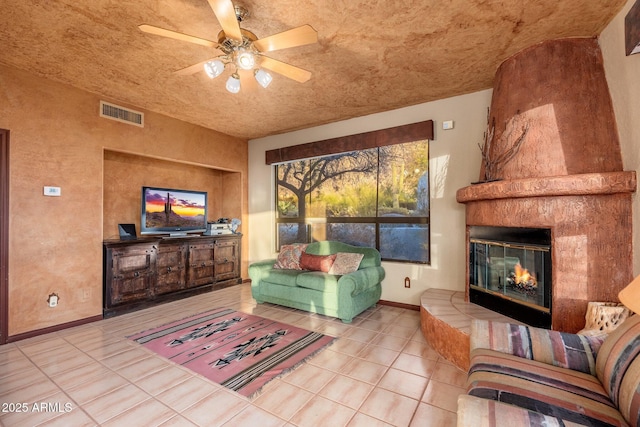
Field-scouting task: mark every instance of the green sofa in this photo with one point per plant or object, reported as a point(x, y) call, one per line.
point(342, 296)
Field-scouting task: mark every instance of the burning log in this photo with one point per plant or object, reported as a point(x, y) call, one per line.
point(523, 281)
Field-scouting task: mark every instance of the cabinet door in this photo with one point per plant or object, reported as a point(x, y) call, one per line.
point(171, 268)
point(200, 264)
point(132, 274)
point(226, 260)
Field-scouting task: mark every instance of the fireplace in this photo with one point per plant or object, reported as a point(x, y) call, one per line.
point(551, 160)
point(510, 272)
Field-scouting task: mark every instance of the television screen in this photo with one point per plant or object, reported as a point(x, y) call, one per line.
point(167, 210)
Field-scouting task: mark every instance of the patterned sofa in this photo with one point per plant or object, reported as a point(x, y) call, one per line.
point(525, 376)
point(305, 277)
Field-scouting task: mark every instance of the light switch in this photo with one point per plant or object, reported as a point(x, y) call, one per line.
point(52, 191)
point(446, 125)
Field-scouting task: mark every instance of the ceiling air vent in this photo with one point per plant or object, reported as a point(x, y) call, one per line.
point(121, 114)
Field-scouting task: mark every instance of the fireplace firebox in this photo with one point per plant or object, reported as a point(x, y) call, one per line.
point(510, 272)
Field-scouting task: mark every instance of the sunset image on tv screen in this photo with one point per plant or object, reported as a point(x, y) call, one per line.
point(173, 208)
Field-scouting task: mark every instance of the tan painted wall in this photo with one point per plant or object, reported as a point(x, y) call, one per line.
point(624, 85)
point(57, 139)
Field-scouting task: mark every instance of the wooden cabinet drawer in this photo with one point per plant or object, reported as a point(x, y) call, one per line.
point(171, 268)
point(200, 264)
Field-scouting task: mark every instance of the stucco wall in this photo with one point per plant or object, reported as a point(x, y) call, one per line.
point(622, 74)
point(58, 139)
point(454, 163)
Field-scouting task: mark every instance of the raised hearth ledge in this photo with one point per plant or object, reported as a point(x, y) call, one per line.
point(566, 185)
point(445, 321)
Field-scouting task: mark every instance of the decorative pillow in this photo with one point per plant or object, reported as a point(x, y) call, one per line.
point(346, 263)
point(289, 256)
point(317, 262)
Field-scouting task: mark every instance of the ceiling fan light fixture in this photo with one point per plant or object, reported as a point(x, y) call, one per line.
point(263, 77)
point(245, 60)
point(213, 68)
point(233, 83)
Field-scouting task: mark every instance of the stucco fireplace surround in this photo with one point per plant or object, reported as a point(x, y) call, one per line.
point(565, 175)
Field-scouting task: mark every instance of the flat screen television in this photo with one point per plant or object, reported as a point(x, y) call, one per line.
point(174, 212)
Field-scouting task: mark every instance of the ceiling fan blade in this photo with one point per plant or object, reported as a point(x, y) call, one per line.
point(294, 73)
point(175, 35)
point(298, 36)
point(192, 69)
point(226, 14)
point(247, 82)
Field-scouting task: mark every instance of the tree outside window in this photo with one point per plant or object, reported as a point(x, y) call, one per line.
point(377, 197)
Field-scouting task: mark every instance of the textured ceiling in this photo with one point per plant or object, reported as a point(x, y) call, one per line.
point(372, 56)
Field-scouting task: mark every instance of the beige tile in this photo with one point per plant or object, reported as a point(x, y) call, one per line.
point(16, 367)
point(379, 355)
point(252, 416)
point(88, 391)
point(143, 367)
point(415, 364)
point(177, 421)
point(374, 325)
point(404, 383)
point(331, 360)
point(427, 415)
point(450, 374)
point(150, 413)
point(389, 407)
point(442, 395)
point(360, 334)
point(115, 402)
point(320, 411)
point(163, 380)
point(216, 409)
point(33, 392)
point(423, 350)
point(362, 420)
point(346, 391)
point(309, 377)
point(82, 374)
point(127, 357)
point(348, 346)
point(391, 342)
point(283, 400)
point(400, 331)
point(364, 371)
point(75, 418)
point(187, 393)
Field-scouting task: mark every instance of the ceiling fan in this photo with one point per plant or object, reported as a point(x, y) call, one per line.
point(242, 50)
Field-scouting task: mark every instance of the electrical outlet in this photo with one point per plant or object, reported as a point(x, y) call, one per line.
point(86, 294)
point(53, 300)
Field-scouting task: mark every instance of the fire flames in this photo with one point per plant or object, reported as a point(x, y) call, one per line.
point(523, 277)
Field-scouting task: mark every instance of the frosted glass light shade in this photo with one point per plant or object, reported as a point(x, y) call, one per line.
point(213, 68)
point(233, 83)
point(263, 77)
point(245, 60)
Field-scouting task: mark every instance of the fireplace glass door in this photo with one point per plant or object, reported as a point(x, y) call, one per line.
point(511, 273)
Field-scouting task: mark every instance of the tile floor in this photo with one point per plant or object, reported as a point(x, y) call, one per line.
point(380, 372)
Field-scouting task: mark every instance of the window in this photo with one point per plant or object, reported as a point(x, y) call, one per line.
point(376, 197)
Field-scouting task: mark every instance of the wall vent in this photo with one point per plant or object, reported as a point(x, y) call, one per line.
point(121, 114)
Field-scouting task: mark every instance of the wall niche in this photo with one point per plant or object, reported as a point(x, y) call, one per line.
point(125, 174)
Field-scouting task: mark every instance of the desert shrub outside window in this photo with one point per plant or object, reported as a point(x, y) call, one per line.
point(377, 197)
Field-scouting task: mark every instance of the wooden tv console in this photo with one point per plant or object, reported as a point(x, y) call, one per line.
point(144, 272)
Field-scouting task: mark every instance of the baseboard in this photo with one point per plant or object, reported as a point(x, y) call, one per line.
point(31, 334)
point(399, 305)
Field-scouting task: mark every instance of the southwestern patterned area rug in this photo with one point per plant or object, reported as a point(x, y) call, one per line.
point(240, 351)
